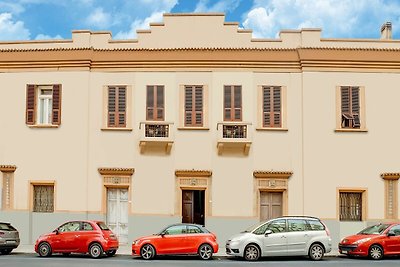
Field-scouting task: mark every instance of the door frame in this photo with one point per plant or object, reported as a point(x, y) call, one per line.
point(193, 180)
point(270, 181)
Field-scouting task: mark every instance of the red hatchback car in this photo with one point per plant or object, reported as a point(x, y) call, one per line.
point(177, 239)
point(375, 241)
point(93, 237)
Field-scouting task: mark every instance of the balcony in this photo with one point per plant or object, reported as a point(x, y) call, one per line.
point(233, 136)
point(155, 135)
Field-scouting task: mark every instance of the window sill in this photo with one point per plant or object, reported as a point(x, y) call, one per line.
point(194, 128)
point(117, 129)
point(43, 126)
point(272, 129)
point(351, 130)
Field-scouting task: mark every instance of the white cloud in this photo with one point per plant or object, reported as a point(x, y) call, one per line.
point(12, 30)
point(220, 6)
point(337, 18)
point(47, 37)
point(140, 24)
point(99, 19)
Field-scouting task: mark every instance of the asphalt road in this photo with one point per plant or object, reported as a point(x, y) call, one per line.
point(32, 260)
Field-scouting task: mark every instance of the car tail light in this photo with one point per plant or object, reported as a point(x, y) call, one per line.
point(326, 230)
point(214, 236)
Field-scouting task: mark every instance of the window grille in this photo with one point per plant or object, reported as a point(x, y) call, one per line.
point(350, 206)
point(234, 131)
point(156, 130)
point(43, 198)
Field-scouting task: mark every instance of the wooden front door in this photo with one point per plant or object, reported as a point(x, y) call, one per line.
point(270, 205)
point(117, 212)
point(193, 206)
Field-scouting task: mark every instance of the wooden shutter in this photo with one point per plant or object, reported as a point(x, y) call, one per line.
point(277, 107)
point(232, 103)
point(160, 103)
point(56, 111)
point(30, 115)
point(227, 103)
point(121, 106)
point(355, 106)
point(237, 103)
point(272, 106)
point(155, 103)
point(112, 108)
point(193, 105)
point(345, 99)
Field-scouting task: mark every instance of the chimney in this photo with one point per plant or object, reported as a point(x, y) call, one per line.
point(386, 30)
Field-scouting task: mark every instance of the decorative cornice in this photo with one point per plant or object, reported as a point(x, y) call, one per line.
point(193, 173)
point(116, 171)
point(8, 168)
point(390, 175)
point(272, 174)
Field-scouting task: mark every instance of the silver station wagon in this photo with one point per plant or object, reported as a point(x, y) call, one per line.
point(284, 236)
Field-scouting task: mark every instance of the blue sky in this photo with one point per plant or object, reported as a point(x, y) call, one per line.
point(55, 19)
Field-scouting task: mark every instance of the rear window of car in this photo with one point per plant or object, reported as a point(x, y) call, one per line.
point(6, 227)
point(315, 225)
point(103, 226)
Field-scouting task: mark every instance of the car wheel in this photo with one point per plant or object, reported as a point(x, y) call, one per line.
point(111, 253)
point(316, 252)
point(205, 252)
point(6, 251)
point(251, 253)
point(95, 250)
point(147, 252)
point(375, 252)
point(44, 249)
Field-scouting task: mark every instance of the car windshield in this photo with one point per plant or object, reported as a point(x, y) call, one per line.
point(374, 230)
point(103, 226)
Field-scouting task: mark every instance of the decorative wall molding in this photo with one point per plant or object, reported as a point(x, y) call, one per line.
point(193, 173)
point(272, 174)
point(390, 175)
point(116, 171)
point(8, 168)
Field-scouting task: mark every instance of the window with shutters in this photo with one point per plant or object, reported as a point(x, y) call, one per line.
point(43, 105)
point(43, 198)
point(194, 99)
point(232, 103)
point(116, 106)
point(155, 103)
point(272, 106)
point(351, 205)
point(351, 114)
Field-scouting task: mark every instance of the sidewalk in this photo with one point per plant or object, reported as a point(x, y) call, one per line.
point(126, 250)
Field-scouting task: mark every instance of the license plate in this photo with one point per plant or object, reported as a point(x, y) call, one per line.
point(10, 242)
point(344, 251)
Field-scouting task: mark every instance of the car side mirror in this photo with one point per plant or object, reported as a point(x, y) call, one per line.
point(391, 234)
point(162, 234)
point(56, 231)
point(268, 232)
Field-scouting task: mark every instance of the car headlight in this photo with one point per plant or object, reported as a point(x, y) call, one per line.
point(135, 242)
point(362, 240)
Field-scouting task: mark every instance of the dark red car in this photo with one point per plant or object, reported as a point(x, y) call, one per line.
point(93, 237)
point(177, 239)
point(375, 241)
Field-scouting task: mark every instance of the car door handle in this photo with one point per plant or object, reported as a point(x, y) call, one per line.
point(283, 236)
point(306, 235)
point(77, 235)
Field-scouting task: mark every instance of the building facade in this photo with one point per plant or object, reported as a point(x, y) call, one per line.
point(196, 121)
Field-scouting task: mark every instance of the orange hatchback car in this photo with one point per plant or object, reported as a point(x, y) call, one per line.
point(93, 237)
point(177, 239)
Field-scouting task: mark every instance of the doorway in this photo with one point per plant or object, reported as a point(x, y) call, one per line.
point(193, 206)
point(117, 212)
point(270, 205)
